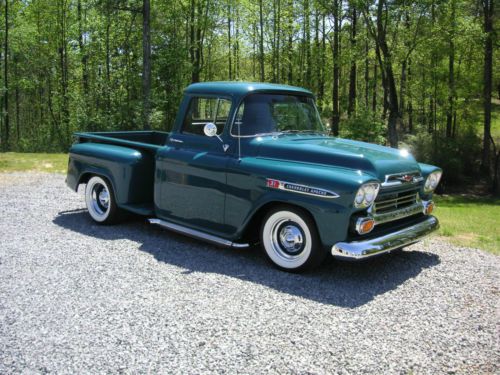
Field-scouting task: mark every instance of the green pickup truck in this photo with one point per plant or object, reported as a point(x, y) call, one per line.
point(250, 163)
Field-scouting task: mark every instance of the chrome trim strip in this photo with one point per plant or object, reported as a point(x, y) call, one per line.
point(306, 190)
point(376, 246)
point(386, 217)
point(197, 234)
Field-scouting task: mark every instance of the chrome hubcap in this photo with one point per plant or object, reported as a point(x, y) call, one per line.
point(291, 238)
point(287, 239)
point(104, 198)
point(100, 199)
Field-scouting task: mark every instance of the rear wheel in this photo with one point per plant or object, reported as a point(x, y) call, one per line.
point(290, 239)
point(100, 200)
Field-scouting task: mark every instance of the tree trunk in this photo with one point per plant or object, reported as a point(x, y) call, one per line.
point(488, 69)
point(307, 45)
point(394, 116)
point(5, 139)
point(63, 59)
point(16, 74)
point(146, 66)
point(367, 74)
point(81, 44)
point(374, 92)
point(335, 93)
point(229, 45)
point(321, 89)
point(451, 74)
point(352, 76)
point(261, 42)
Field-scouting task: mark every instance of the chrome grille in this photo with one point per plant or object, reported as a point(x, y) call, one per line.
point(394, 201)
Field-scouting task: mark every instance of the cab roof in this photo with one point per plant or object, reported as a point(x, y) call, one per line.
point(238, 89)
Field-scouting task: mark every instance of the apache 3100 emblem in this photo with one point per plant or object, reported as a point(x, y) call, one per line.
point(301, 189)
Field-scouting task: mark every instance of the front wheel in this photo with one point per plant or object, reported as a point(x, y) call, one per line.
point(290, 239)
point(100, 200)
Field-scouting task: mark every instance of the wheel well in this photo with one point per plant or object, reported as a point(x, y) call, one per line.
point(251, 232)
point(84, 178)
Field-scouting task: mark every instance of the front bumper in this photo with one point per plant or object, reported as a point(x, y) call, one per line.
point(383, 244)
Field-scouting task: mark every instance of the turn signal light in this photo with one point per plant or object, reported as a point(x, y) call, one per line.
point(429, 208)
point(365, 225)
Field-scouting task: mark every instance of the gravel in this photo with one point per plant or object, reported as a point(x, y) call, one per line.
point(76, 297)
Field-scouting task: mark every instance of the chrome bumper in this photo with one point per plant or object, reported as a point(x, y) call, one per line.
point(386, 243)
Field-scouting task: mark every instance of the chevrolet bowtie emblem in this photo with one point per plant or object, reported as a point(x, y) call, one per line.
point(406, 178)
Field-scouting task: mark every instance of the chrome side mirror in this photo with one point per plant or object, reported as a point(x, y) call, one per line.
point(210, 130)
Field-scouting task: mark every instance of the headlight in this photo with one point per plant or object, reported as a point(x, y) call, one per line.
point(366, 195)
point(432, 181)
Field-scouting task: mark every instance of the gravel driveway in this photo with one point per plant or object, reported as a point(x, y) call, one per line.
point(81, 298)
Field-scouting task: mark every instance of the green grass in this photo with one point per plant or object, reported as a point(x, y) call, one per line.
point(14, 161)
point(470, 221)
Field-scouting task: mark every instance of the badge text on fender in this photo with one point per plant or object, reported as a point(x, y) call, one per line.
point(301, 189)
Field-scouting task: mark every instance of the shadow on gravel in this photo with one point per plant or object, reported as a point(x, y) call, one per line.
point(338, 283)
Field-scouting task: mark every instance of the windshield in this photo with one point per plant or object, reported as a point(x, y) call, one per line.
point(270, 113)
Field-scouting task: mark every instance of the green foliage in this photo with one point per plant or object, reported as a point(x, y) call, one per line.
point(77, 65)
point(364, 126)
point(459, 157)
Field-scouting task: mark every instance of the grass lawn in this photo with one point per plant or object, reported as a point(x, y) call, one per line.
point(470, 221)
point(14, 161)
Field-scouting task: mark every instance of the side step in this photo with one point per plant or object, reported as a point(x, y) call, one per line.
point(197, 234)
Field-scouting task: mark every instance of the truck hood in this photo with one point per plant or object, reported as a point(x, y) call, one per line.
point(366, 157)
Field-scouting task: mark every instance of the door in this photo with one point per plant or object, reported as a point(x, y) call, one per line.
point(191, 170)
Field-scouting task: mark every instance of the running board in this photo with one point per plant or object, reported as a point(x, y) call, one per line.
point(197, 234)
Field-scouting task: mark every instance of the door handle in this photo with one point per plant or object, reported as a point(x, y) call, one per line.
point(176, 140)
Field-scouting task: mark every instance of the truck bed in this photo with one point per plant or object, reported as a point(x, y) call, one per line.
point(149, 140)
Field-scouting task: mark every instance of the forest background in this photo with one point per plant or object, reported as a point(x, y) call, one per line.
point(421, 74)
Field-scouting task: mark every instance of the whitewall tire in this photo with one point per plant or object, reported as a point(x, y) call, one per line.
point(100, 200)
point(290, 240)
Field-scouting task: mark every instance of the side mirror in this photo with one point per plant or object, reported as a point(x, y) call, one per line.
point(210, 129)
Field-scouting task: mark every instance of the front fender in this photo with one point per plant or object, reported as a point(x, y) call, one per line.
point(248, 192)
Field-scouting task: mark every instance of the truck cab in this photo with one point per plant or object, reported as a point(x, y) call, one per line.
point(250, 163)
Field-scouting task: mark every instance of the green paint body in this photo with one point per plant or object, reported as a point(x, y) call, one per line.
point(199, 185)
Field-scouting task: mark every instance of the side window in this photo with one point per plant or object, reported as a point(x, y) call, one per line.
point(204, 110)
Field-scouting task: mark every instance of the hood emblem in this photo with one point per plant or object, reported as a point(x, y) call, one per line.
point(301, 189)
point(405, 178)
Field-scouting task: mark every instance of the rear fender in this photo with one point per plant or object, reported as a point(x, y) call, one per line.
point(130, 172)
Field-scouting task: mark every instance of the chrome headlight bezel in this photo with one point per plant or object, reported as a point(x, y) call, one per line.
point(366, 195)
point(432, 181)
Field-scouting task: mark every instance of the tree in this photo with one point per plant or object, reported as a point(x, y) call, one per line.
point(352, 75)
point(146, 64)
point(261, 42)
point(6, 120)
point(487, 6)
point(336, 67)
